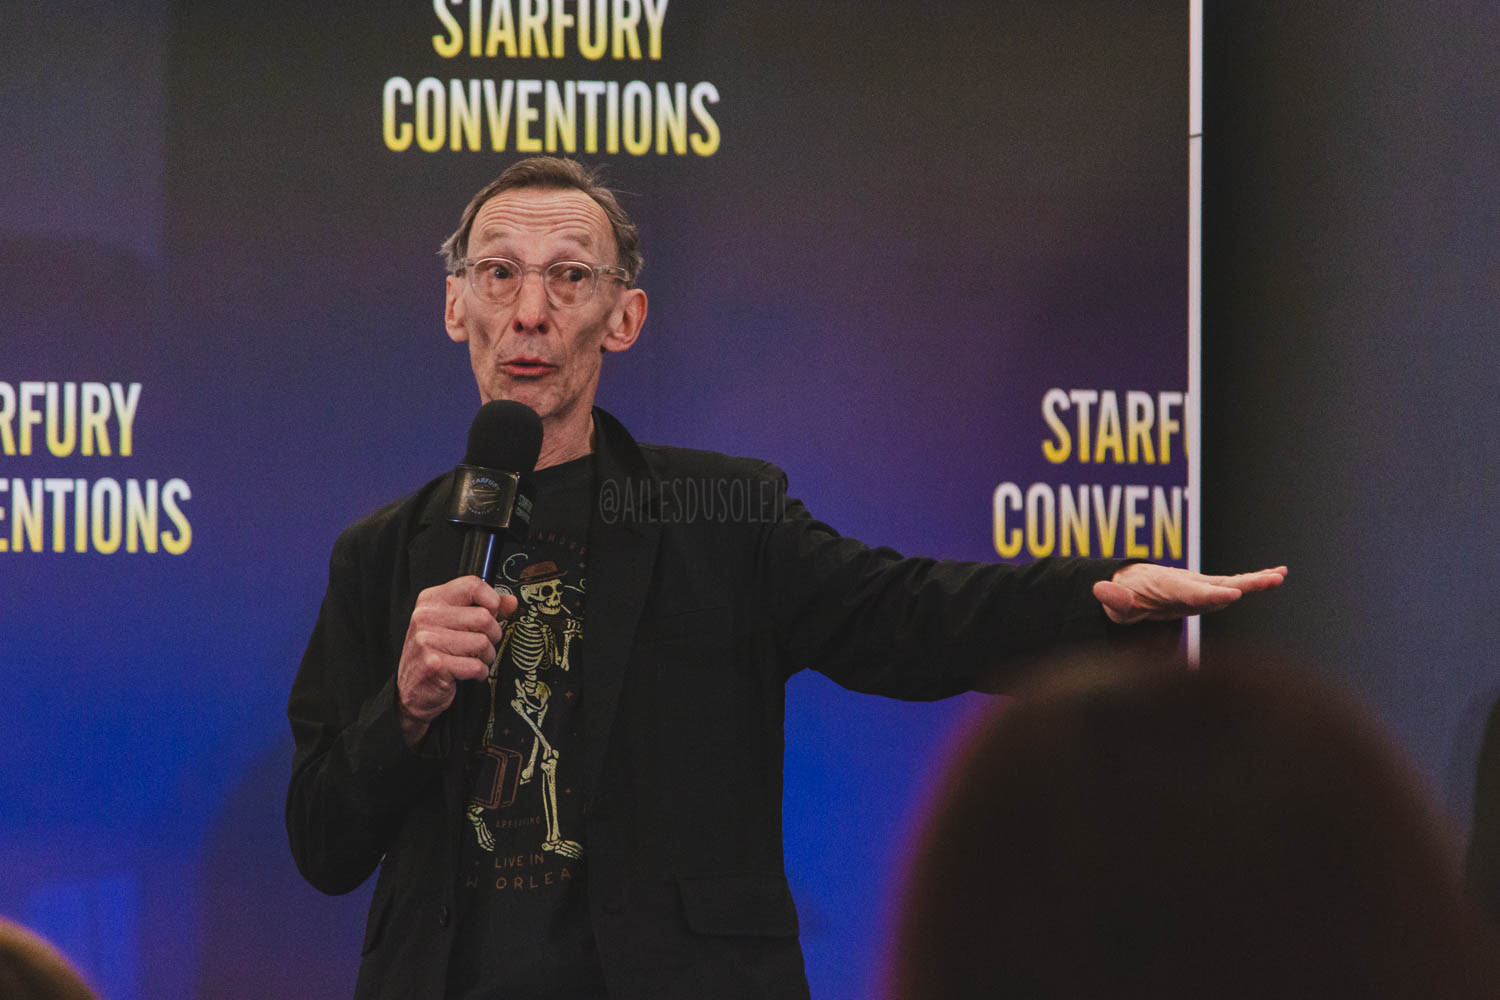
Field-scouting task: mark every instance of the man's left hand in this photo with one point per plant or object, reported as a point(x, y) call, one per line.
point(1148, 592)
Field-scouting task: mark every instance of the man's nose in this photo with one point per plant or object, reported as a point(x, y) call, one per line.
point(531, 304)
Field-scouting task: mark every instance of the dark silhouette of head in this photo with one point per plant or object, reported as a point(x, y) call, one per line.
point(1238, 831)
point(31, 969)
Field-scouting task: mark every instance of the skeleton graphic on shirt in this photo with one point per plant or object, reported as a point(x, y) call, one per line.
point(530, 641)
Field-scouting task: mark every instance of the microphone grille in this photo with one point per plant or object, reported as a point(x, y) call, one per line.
point(505, 435)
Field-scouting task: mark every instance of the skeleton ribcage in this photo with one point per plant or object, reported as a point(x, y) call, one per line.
point(529, 644)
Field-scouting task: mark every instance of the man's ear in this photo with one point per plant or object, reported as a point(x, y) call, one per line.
point(455, 313)
point(625, 320)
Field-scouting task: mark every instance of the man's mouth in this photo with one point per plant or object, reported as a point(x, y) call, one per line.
point(527, 367)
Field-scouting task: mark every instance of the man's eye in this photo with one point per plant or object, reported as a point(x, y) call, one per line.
point(500, 271)
point(572, 274)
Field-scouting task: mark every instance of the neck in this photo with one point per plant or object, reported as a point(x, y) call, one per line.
point(567, 441)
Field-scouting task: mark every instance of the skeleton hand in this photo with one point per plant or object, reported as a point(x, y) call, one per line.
point(572, 629)
point(476, 817)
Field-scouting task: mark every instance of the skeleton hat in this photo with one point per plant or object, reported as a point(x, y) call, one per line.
point(540, 572)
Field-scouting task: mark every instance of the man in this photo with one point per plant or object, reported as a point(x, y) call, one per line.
point(571, 784)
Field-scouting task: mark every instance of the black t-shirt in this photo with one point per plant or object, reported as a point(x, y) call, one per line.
point(525, 929)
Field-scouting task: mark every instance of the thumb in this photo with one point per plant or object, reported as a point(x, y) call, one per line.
point(1119, 602)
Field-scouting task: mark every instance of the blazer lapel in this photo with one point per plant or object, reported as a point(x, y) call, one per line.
point(622, 559)
point(432, 559)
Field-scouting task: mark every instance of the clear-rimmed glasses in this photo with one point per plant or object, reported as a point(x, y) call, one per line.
point(498, 280)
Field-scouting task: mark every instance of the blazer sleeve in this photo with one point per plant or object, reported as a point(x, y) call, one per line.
point(920, 629)
point(353, 777)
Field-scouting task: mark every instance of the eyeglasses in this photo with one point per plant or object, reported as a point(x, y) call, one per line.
point(498, 280)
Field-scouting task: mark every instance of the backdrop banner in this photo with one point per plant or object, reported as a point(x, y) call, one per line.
point(930, 261)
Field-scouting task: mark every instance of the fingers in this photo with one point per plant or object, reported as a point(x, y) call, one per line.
point(1143, 591)
point(432, 648)
point(452, 636)
point(428, 674)
point(463, 590)
point(477, 604)
point(471, 591)
point(442, 618)
point(437, 675)
point(1207, 599)
point(1263, 579)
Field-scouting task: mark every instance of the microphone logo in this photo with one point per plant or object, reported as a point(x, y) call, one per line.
point(483, 496)
point(488, 498)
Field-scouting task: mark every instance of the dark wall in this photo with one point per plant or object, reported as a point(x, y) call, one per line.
point(1351, 367)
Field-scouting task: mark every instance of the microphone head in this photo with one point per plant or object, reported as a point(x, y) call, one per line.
point(505, 435)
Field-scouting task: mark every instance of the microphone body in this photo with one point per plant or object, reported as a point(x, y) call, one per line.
point(492, 492)
point(493, 507)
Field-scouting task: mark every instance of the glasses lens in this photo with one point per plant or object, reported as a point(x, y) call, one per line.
point(569, 282)
point(496, 279)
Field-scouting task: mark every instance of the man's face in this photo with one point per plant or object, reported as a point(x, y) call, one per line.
point(530, 350)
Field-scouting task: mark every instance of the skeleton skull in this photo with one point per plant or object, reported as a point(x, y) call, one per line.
point(545, 597)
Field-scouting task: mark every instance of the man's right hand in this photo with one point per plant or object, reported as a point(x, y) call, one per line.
point(452, 637)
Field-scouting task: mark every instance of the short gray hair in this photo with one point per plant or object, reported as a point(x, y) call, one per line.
point(558, 173)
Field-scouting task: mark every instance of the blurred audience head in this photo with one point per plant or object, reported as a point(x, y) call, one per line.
point(1238, 831)
point(31, 969)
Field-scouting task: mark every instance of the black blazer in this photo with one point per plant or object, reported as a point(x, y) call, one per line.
point(708, 589)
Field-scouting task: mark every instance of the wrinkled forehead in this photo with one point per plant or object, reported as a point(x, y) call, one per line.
point(536, 222)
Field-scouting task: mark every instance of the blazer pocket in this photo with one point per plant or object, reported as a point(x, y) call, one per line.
point(755, 905)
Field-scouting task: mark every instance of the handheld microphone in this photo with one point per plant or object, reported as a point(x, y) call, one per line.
point(492, 491)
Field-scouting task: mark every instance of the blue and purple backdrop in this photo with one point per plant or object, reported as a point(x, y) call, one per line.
point(931, 261)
